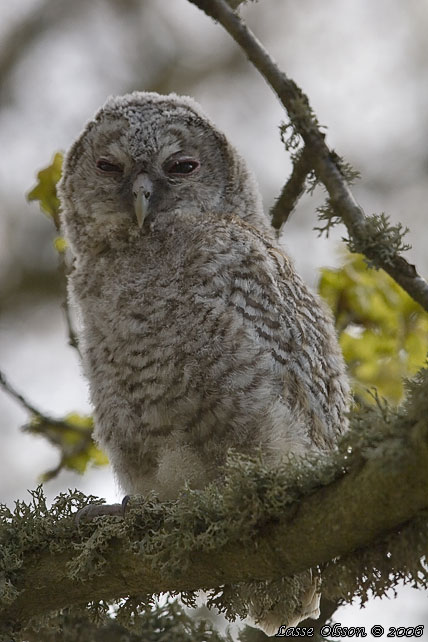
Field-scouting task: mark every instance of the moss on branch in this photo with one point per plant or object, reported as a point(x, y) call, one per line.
point(332, 511)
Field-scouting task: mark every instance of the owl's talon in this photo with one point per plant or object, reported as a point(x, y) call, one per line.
point(91, 511)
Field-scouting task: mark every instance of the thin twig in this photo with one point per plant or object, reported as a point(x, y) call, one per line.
point(72, 451)
point(51, 421)
point(51, 429)
point(322, 159)
point(292, 190)
point(72, 335)
point(7, 387)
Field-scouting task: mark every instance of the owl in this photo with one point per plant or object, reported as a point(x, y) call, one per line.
point(197, 334)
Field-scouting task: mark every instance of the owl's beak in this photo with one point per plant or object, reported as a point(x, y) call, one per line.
point(141, 191)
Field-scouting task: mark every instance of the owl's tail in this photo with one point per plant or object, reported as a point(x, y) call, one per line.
point(297, 598)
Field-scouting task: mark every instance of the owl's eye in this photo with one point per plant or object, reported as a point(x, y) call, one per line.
point(106, 166)
point(182, 166)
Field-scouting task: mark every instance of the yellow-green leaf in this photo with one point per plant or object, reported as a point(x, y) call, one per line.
point(383, 332)
point(60, 244)
point(73, 437)
point(45, 189)
point(81, 421)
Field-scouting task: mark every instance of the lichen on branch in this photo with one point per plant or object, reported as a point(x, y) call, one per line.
point(258, 525)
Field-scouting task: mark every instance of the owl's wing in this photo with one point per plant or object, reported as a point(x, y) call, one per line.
point(260, 287)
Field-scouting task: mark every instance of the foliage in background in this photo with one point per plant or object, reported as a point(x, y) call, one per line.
point(73, 437)
point(383, 332)
point(45, 189)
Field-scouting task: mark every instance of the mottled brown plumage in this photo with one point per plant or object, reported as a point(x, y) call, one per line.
point(197, 333)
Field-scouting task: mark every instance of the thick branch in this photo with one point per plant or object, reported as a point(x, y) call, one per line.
point(385, 490)
point(301, 115)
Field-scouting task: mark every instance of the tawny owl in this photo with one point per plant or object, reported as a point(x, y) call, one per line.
point(197, 333)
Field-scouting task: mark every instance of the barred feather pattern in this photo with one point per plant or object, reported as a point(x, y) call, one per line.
point(220, 346)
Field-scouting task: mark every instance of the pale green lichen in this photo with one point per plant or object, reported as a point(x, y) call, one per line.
point(170, 533)
point(379, 240)
point(161, 623)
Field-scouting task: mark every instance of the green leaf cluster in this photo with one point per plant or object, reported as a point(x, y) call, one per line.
point(45, 190)
point(73, 437)
point(383, 332)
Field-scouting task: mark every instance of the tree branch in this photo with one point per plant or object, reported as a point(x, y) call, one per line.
point(56, 431)
point(323, 160)
point(46, 419)
point(384, 488)
point(292, 190)
point(73, 340)
point(10, 390)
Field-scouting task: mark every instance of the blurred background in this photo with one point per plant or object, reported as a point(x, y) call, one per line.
point(364, 66)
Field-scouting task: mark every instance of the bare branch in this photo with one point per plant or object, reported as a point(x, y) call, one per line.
point(72, 336)
point(323, 160)
point(292, 190)
point(52, 429)
point(7, 387)
point(58, 423)
point(73, 340)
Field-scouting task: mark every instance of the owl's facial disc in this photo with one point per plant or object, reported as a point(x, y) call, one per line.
point(142, 189)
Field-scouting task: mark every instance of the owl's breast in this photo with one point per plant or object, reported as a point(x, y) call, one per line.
point(199, 347)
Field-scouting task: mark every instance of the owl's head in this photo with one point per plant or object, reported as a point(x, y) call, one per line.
point(144, 154)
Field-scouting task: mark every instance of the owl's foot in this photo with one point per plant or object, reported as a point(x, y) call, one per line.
point(96, 510)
